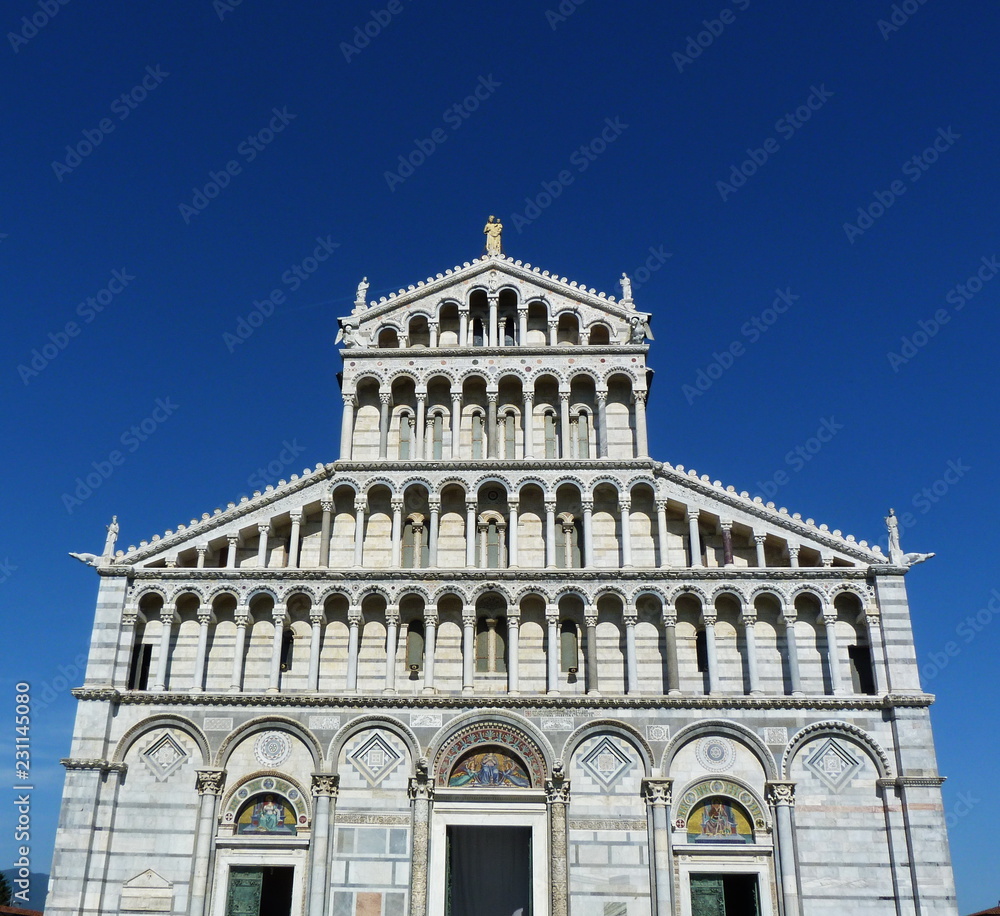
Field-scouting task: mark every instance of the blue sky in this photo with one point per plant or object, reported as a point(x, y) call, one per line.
point(169, 165)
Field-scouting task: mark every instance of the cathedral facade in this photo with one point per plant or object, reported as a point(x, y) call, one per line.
point(495, 660)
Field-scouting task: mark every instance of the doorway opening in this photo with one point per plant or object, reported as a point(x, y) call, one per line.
point(260, 891)
point(724, 895)
point(488, 871)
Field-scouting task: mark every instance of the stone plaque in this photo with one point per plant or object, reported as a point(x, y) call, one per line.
point(147, 893)
point(426, 720)
point(557, 723)
point(327, 722)
point(775, 735)
point(218, 724)
point(657, 732)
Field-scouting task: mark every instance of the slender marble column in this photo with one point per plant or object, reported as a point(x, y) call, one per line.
point(758, 540)
point(353, 645)
point(483, 530)
point(793, 555)
point(593, 675)
point(873, 625)
point(567, 530)
point(126, 647)
point(468, 648)
point(781, 798)
point(564, 428)
point(527, 422)
point(670, 638)
point(658, 797)
point(553, 331)
point(791, 642)
point(209, 784)
point(278, 616)
point(324, 532)
point(726, 526)
point(293, 540)
point(432, 327)
point(359, 530)
point(602, 424)
point(418, 425)
point(432, 531)
point(421, 793)
point(202, 550)
point(262, 532)
point(552, 646)
point(625, 504)
point(661, 532)
point(166, 625)
point(712, 652)
point(456, 425)
point(550, 533)
point(430, 647)
point(347, 428)
point(833, 651)
point(588, 532)
point(749, 629)
point(494, 336)
point(470, 533)
point(694, 537)
point(631, 663)
point(397, 531)
point(234, 541)
point(198, 679)
point(557, 797)
point(641, 435)
point(513, 652)
point(492, 434)
point(522, 327)
point(391, 647)
point(512, 537)
point(325, 787)
point(383, 423)
point(463, 327)
point(242, 620)
point(316, 619)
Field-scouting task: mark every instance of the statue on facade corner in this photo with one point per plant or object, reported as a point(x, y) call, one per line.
point(626, 285)
point(361, 298)
point(492, 231)
point(109, 543)
point(892, 524)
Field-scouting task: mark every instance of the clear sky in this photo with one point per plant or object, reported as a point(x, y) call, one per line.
point(806, 199)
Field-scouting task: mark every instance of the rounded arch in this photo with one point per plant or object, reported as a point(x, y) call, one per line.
point(771, 591)
point(730, 590)
point(851, 588)
point(845, 730)
point(725, 785)
point(580, 371)
point(688, 589)
point(808, 589)
point(166, 720)
point(333, 590)
point(185, 590)
point(219, 591)
point(258, 783)
point(615, 590)
point(721, 727)
point(270, 722)
point(571, 590)
point(451, 589)
point(643, 590)
point(360, 723)
point(147, 590)
point(497, 728)
point(614, 727)
point(375, 482)
point(368, 375)
point(413, 590)
point(486, 588)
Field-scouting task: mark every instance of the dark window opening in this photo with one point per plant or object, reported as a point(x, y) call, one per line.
point(287, 643)
point(724, 895)
point(701, 648)
point(862, 674)
point(138, 670)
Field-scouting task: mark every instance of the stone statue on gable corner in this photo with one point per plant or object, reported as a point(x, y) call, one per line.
point(361, 298)
point(109, 543)
point(492, 231)
point(892, 524)
point(626, 285)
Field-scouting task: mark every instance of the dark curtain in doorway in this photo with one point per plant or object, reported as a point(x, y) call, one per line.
point(489, 871)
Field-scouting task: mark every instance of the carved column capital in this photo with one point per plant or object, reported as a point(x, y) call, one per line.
point(759, 538)
point(325, 785)
point(829, 620)
point(202, 549)
point(693, 513)
point(780, 793)
point(661, 504)
point(657, 792)
point(130, 617)
point(263, 527)
point(348, 398)
point(469, 615)
point(550, 505)
point(726, 524)
point(317, 617)
point(234, 539)
point(420, 788)
point(326, 504)
point(296, 516)
point(360, 504)
point(557, 790)
point(354, 615)
point(793, 551)
point(210, 781)
point(639, 396)
point(430, 618)
point(392, 614)
point(873, 620)
point(587, 504)
point(709, 618)
point(385, 397)
point(749, 618)
point(625, 503)
point(602, 397)
point(434, 503)
point(492, 396)
point(631, 619)
point(669, 620)
point(396, 503)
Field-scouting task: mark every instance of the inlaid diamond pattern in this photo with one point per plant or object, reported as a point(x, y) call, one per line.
point(833, 764)
point(606, 762)
point(375, 759)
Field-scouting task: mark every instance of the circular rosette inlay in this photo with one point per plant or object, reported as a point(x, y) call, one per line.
point(716, 754)
point(272, 749)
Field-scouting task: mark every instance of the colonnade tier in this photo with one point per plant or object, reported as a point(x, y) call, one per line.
point(571, 643)
point(491, 525)
point(401, 413)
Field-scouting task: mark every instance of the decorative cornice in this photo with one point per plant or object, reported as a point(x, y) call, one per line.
point(486, 701)
point(103, 766)
point(931, 782)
